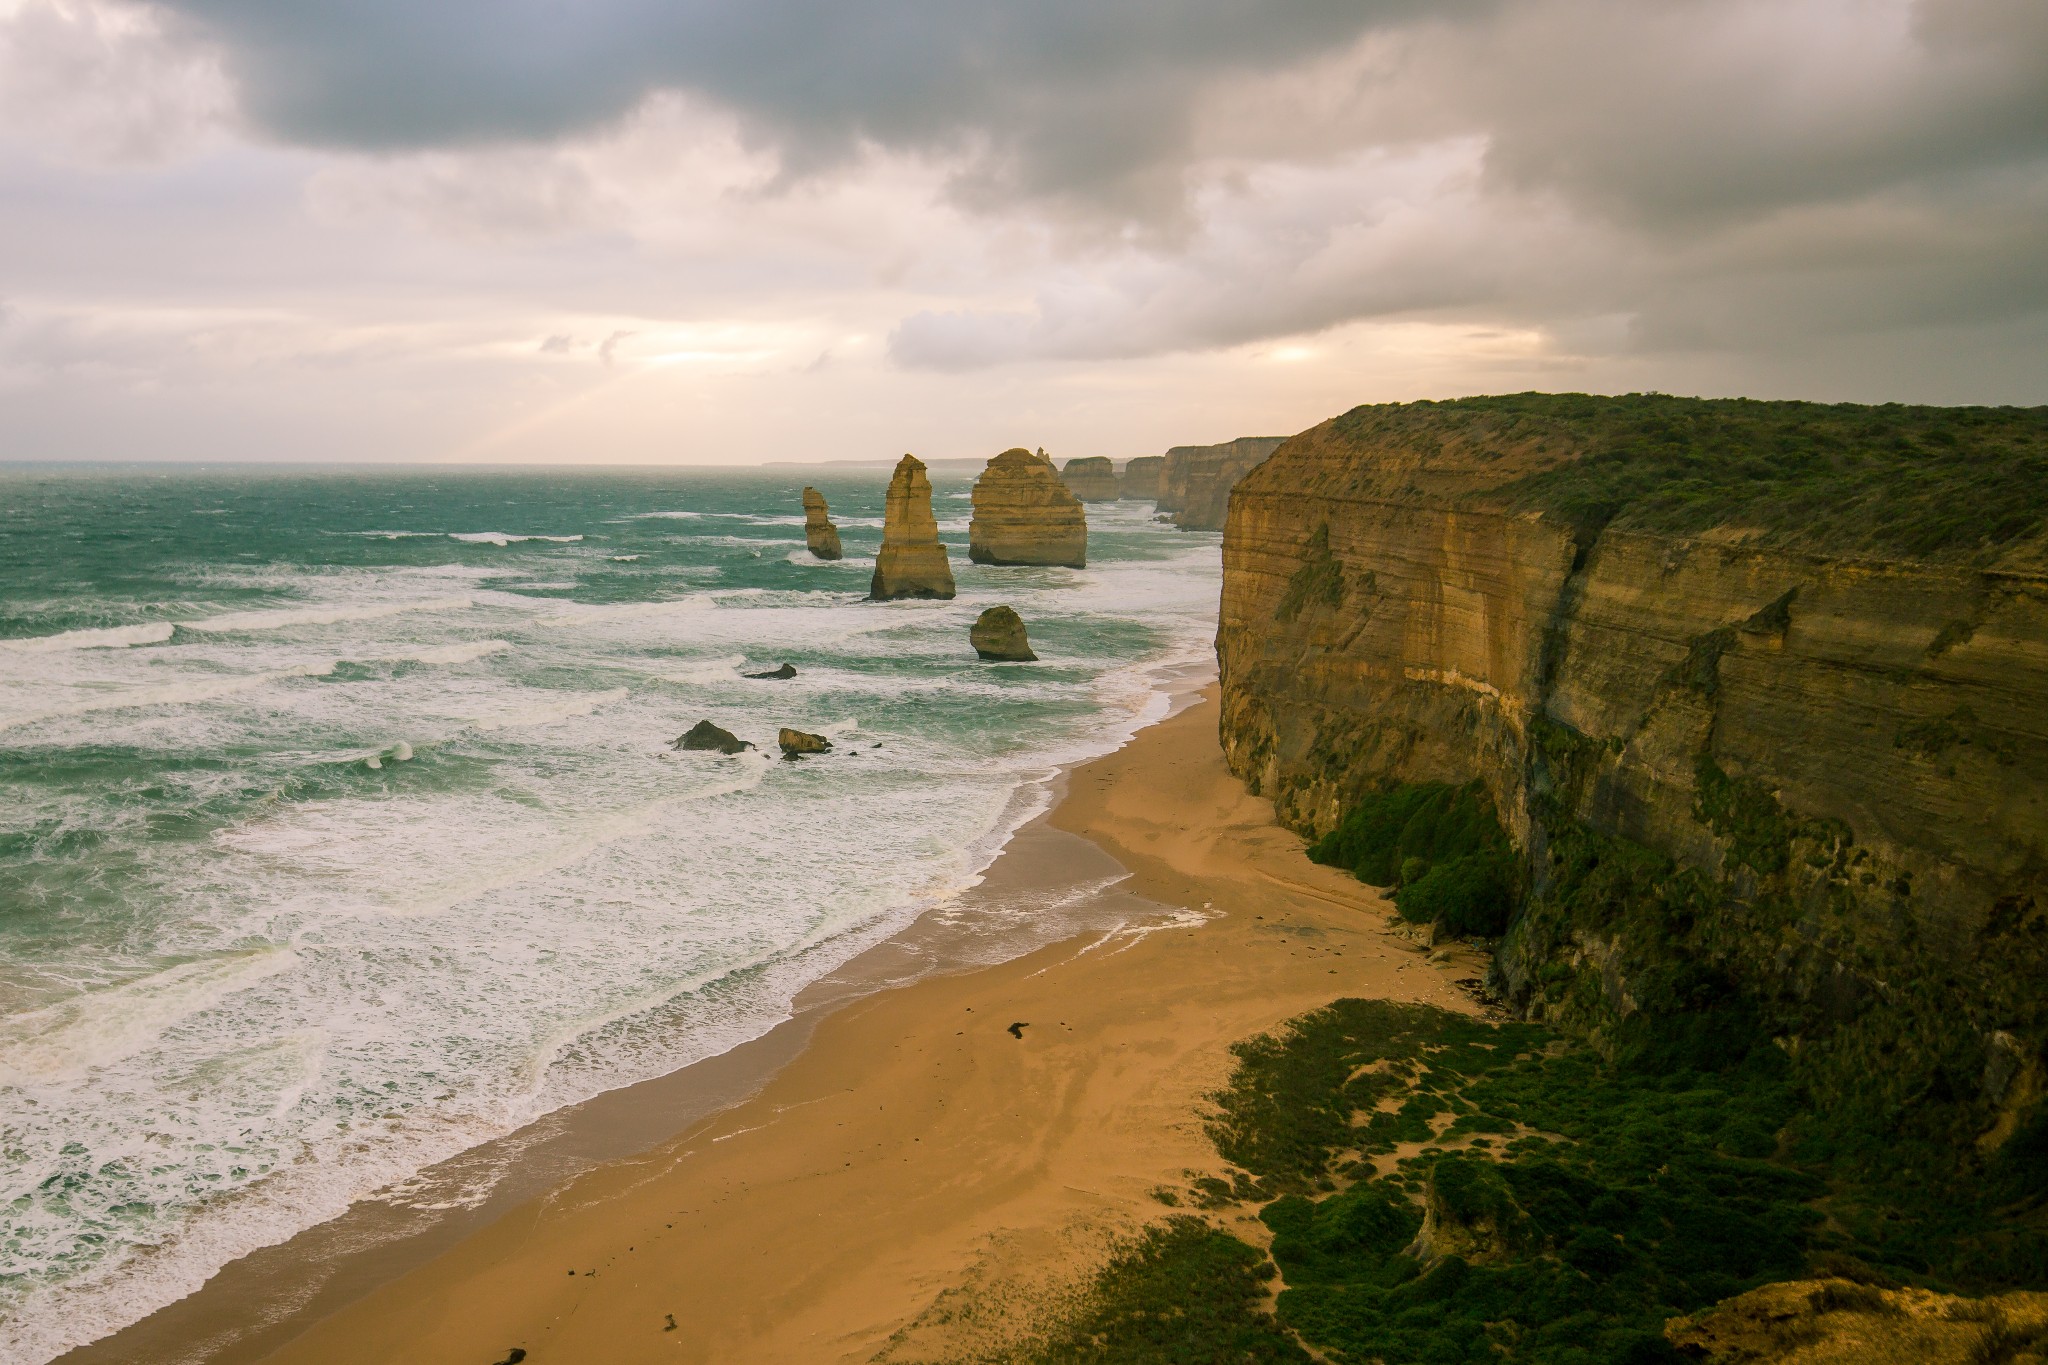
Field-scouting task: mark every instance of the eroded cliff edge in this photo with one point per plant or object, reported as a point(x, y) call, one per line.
point(1760, 691)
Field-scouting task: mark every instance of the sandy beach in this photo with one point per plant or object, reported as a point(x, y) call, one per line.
point(923, 1179)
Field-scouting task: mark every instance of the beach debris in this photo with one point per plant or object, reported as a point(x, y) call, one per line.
point(705, 735)
point(671, 1316)
point(779, 674)
point(1017, 1030)
point(513, 1356)
point(821, 537)
point(998, 636)
point(912, 562)
point(797, 743)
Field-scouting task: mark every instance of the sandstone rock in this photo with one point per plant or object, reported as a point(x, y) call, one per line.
point(782, 674)
point(1469, 1212)
point(998, 635)
point(1839, 1322)
point(1795, 727)
point(705, 735)
point(797, 743)
point(1092, 478)
point(911, 563)
point(1195, 481)
point(819, 533)
point(1141, 478)
point(1023, 514)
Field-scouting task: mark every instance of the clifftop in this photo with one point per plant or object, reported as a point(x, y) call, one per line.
point(1954, 484)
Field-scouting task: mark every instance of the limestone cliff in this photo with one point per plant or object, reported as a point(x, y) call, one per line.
point(911, 562)
point(1024, 514)
point(1140, 478)
point(820, 535)
point(1195, 481)
point(1092, 478)
point(1760, 691)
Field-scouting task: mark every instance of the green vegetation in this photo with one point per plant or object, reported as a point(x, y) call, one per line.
point(1441, 1189)
point(1185, 1293)
point(1441, 846)
point(1318, 582)
point(1955, 483)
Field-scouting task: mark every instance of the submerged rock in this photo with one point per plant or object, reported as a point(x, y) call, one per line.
point(1092, 478)
point(998, 635)
point(1141, 477)
point(819, 533)
point(705, 735)
point(1023, 514)
point(797, 743)
point(912, 563)
point(780, 674)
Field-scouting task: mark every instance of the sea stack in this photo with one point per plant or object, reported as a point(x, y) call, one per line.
point(819, 533)
point(1092, 479)
point(1141, 477)
point(998, 637)
point(1023, 514)
point(912, 563)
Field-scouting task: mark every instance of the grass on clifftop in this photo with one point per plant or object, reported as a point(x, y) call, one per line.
point(1539, 1203)
point(1953, 483)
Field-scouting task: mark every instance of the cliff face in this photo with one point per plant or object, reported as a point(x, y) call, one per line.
point(1819, 777)
point(1092, 478)
point(1141, 477)
point(821, 537)
point(911, 562)
point(1024, 514)
point(1195, 481)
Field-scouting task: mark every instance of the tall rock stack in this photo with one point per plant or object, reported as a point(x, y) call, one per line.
point(1023, 514)
point(1141, 477)
point(912, 563)
point(1195, 483)
point(1092, 479)
point(819, 533)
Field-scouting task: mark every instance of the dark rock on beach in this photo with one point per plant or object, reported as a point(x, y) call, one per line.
point(705, 735)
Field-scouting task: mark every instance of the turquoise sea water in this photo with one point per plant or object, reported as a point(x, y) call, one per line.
point(338, 830)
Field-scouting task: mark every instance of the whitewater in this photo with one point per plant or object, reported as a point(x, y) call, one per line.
point(341, 832)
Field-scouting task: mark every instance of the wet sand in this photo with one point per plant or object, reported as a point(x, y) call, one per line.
point(920, 1181)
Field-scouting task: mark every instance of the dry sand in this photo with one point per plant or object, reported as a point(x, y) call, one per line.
point(919, 1184)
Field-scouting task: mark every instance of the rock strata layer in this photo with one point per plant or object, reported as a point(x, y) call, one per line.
point(1195, 481)
point(705, 735)
point(1091, 478)
point(1141, 478)
point(1833, 744)
point(998, 636)
point(1023, 514)
point(797, 743)
point(911, 562)
point(820, 535)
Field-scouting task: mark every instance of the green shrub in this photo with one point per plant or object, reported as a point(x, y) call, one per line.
point(1442, 846)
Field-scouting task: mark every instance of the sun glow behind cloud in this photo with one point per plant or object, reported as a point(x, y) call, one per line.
point(1174, 231)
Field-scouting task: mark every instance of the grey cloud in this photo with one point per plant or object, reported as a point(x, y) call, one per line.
point(1081, 99)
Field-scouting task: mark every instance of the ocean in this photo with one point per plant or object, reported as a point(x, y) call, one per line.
point(339, 830)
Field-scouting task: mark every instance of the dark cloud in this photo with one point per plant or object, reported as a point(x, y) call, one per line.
point(1082, 99)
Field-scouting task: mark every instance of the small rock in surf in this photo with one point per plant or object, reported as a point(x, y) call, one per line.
point(705, 735)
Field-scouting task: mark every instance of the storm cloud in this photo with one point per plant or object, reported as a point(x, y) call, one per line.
point(1041, 203)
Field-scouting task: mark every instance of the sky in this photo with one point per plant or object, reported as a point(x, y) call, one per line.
point(729, 231)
